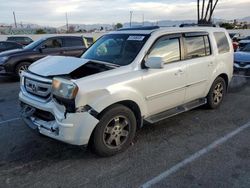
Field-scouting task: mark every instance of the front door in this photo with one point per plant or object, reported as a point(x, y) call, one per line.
point(51, 47)
point(165, 88)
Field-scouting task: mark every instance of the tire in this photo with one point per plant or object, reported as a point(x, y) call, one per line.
point(23, 66)
point(216, 93)
point(115, 131)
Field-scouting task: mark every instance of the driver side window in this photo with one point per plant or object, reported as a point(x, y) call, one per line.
point(52, 43)
point(167, 48)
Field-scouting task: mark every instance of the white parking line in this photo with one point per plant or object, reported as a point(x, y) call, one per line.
point(9, 120)
point(193, 157)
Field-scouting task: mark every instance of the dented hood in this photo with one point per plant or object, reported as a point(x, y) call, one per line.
point(56, 65)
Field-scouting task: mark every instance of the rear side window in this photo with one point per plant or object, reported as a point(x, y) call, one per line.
point(197, 46)
point(167, 48)
point(222, 42)
point(71, 42)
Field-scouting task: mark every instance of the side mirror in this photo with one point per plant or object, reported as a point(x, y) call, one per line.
point(155, 63)
point(41, 48)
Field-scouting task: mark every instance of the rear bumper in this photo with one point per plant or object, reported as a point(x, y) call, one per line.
point(71, 128)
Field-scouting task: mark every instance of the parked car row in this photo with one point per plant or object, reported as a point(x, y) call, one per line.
point(18, 58)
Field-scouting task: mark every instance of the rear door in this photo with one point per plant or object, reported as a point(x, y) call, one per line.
point(73, 46)
point(199, 64)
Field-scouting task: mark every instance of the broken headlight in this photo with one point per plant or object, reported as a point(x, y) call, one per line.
point(64, 88)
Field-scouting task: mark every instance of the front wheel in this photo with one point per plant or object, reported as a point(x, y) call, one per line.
point(115, 131)
point(216, 93)
point(22, 67)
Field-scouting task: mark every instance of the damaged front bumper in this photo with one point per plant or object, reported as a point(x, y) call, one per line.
point(51, 120)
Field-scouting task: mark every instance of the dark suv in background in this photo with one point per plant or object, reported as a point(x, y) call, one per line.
point(20, 40)
point(7, 45)
point(13, 62)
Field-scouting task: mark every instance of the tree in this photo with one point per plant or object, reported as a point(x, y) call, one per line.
point(118, 25)
point(227, 25)
point(71, 29)
point(40, 31)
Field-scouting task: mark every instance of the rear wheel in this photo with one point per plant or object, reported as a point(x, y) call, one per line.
point(115, 131)
point(22, 67)
point(216, 93)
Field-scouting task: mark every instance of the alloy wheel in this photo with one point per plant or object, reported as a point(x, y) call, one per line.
point(116, 132)
point(218, 93)
point(22, 68)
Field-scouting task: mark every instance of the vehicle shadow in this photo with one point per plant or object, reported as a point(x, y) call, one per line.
point(239, 83)
point(7, 79)
point(40, 152)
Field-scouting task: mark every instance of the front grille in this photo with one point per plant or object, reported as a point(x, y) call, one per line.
point(38, 88)
point(44, 115)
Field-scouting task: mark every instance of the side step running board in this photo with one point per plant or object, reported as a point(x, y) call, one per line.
point(177, 110)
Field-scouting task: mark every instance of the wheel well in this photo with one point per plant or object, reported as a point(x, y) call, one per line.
point(23, 61)
point(132, 106)
point(135, 108)
point(129, 104)
point(225, 77)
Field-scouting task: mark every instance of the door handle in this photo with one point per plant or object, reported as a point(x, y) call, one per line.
point(210, 63)
point(179, 72)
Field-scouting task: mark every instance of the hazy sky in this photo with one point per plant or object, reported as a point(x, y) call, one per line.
point(52, 12)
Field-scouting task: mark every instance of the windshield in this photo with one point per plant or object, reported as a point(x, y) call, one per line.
point(246, 48)
point(119, 49)
point(34, 44)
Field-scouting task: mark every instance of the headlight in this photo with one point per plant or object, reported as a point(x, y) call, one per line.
point(3, 59)
point(64, 88)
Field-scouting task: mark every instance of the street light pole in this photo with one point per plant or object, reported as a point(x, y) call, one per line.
point(67, 23)
point(14, 19)
point(143, 19)
point(131, 15)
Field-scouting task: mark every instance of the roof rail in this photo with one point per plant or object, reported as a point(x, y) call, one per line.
point(197, 25)
point(140, 28)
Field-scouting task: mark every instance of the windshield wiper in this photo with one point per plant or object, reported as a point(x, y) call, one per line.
point(107, 64)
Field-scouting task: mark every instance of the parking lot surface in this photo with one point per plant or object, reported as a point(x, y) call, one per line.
point(31, 160)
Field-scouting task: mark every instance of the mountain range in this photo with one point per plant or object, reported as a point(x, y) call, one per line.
point(89, 27)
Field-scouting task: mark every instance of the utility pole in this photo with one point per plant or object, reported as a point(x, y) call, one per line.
point(198, 9)
point(143, 19)
point(67, 23)
point(131, 15)
point(14, 19)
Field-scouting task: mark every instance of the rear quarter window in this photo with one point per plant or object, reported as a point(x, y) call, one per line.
point(222, 42)
point(72, 42)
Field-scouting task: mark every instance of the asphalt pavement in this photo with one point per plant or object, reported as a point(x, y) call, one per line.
point(168, 152)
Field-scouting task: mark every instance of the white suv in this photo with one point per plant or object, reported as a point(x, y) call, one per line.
point(125, 78)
